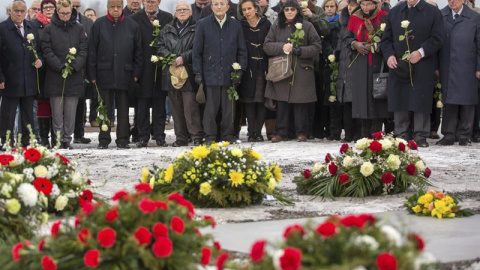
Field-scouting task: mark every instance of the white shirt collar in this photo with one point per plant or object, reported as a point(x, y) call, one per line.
point(459, 13)
point(221, 22)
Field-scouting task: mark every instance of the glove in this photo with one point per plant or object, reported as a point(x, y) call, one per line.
point(297, 51)
point(237, 81)
point(198, 79)
point(361, 47)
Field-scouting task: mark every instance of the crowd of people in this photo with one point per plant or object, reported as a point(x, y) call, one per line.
point(360, 66)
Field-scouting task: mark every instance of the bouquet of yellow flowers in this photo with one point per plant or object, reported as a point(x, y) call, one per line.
point(217, 176)
point(435, 204)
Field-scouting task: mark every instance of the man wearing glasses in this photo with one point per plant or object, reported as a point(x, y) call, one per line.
point(132, 7)
point(150, 93)
point(32, 11)
point(18, 84)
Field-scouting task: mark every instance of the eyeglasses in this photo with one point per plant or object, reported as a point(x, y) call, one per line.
point(48, 7)
point(35, 9)
point(182, 10)
point(76, 6)
point(64, 13)
point(289, 9)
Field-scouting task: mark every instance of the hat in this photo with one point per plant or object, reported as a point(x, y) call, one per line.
point(179, 76)
point(292, 3)
point(44, 2)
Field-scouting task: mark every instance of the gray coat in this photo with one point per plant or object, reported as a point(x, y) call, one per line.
point(303, 89)
point(461, 48)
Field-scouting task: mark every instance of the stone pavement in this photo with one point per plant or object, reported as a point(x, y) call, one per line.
point(449, 240)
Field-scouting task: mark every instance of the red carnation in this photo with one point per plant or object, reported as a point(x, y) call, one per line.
point(377, 135)
point(43, 185)
point(211, 220)
point(411, 169)
point(122, 194)
point(217, 245)
point(375, 146)
point(332, 168)
point(413, 145)
point(258, 248)
point(143, 236)
point(160, 230)
point(83, 236)
point(6, 159)
point(343, 178)
point(163, 247)
point(344, 148)
point(88, 208)
point(307, 173)
point(106, 237)
point(143, 187)
point(175, 197)
point(55, 228)
point(161, 205)
point(291, 259)
point(111, 215)
point(367, 218)
point(206, 254)
point(327, 229)
point(328, 157)
point(221, 259)
point(16, 251)
point(357, 221)
point(177, 224)
point(386, 261)
point(147, 206)
point(86, 196)
point(388, 178)
point(401, 147)
point(48, 263)
point(296, 228)
point(41, 244)
point(418, 240)
point(32, 155)
point(191, 210)
point(91, 258)
point(427, 172)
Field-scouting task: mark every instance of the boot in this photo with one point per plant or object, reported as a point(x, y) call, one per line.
point(44, 129)
point(270, 127)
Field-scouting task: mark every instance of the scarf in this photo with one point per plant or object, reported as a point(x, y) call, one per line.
point(334, 18)
point(43, 19)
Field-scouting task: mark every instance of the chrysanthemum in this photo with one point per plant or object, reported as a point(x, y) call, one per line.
point(236, 152)
point(200, 152)
point(205, 188)
point(236, 178)
point(277, 172)
point(169, 174)
point(255, 155)
point(28, 194)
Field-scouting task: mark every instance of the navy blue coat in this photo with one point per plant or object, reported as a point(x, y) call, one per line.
point(16, 68)
point(215, 49)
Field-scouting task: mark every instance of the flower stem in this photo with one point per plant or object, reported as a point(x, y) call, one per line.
point(409, 64)
point(353, 60)
point(155, 80)
point(38, 84)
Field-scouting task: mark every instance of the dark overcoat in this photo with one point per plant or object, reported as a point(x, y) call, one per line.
point(115, 53)
point(344, 86)
point(147, 82)
point(58, 37)
point(427, 33)
point(460, 57)
point(216, 48)
point(257, 59)
point(16, 68)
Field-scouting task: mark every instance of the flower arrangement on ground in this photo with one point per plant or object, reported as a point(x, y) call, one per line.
point(383, 165)
point(435, 204)
point(140, 230)
point(218, 176)
point(356, 242)
point(35, 181)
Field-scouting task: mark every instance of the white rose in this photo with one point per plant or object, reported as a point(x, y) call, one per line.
point(393, 162)
point(61, 202)
point(420, 166)
point(17, 160)
point(386, 144)
point(156, 23)
point(317, 167)
point(331, 58)
point(332, 98)
point(439, 104)
point(362, 143)
point(400, 140)
point(104, 128)
point(298, 26)
point(382, 26)
point(347, 162)
point(236, 66)
point(392, 235)
point(72, 51)
point(154, 59)
point(30, 37)
point(40, 171)
point(55, 191)
point(367, 169)
point(425, 258)
point(366, 240)
point(304, 4)
point(404, 24)
point(276, 258)
point(76, 178)
point(28, 194)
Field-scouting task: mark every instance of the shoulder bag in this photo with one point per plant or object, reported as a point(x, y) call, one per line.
point(380, 84)
point(279, 68)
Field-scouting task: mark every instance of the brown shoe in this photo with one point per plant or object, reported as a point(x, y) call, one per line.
point(277, 138)
point(301, 138)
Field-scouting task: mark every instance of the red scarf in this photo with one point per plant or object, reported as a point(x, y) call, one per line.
point(43, 19)
point(110, 18)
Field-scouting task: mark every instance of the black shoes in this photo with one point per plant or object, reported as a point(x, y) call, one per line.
point(445, 141)
point(142, 143)
point(179, 144)
point(102, 146)
point(422, 143)
point(197, 142)
point(123, 146)
point(476, 138)
point(82, 140)
point(65, 145)
point(464, 142)
point(161, 142)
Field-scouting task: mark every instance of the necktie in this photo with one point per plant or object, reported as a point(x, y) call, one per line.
point(455, 17)
point(19, 29)
point(151, 17)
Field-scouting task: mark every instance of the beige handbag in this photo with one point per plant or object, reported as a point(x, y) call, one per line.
point(279, 68)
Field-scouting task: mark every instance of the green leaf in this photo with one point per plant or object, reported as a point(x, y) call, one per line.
point(401, 37)
point(377, 39)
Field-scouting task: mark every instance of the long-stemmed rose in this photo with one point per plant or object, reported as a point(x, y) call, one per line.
point(102, 111)
point(31, 47)
point(231, 91)
point(333, 78)
point(167, 60)
point(296, 39)
point(406, 37)
point(68, 69)
point(373, 39)
point(155, 33)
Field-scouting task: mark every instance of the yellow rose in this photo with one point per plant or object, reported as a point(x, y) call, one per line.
point(386, 144)
point(417, 209)
point(404, 24)
point(420, 166)
point(13, 206)
point(393, 162)
point(236, 152)
point(40, 171)
point(439, 104)
point(449, 200)
point(347, 162)
point(205, 188)
point(104, 128)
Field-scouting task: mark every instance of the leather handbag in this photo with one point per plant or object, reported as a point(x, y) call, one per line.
point(380, 84)
point(200, 96)
point(279, 68)
point(271, 104)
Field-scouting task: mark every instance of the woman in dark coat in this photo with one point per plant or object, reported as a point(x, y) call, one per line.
point(294, 92)
point(365, 64)
point(62, 37)
point(252, 89)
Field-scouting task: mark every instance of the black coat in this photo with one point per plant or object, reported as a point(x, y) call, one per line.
point(215, 49)
point(57, 39)
point(196, 12)
point(257, 59)
point(16, 68)
point(180, 44)
point(87, 23)
point(427, 33)
point(147, 82)
point(344, 87)
point(115, 53)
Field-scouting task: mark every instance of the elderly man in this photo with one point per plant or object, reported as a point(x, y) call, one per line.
point(115, 62)
point(197, 7)
point(149, 93)
point(459, 71)
point(18, 84)
point(218, 43)
point(91, 14)
point(410, 84)
point(132, 7)
point(32, 11)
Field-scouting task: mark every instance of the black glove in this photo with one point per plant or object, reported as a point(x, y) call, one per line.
point(237, 81)
point(198, 79)
point(361, 47)
point(297, 51)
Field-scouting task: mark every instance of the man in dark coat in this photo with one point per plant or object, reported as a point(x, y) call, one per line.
point(132, 7)
point(18, 81)
point(149, 20)
point(115, 62)
point(459, 71)
point(197, 8)
point(218, 43)
point(231, 12)
point(412, 91)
